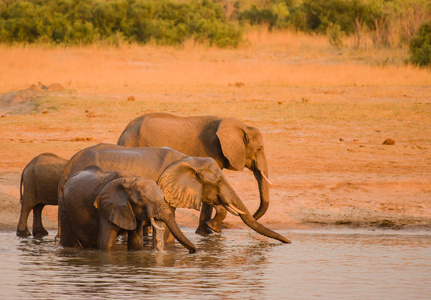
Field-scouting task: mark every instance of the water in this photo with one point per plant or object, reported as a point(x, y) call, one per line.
point(238, 264)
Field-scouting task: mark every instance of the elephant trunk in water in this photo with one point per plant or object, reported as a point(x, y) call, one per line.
point(248, 219)
point(179, 236)
point(259, 228)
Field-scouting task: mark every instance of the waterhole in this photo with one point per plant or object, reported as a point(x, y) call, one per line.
point(237, 264)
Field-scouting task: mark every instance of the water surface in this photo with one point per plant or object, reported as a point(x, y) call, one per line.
point(325, 264)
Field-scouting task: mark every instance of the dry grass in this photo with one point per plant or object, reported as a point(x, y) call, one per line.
point(272, 60)
point(279, 78)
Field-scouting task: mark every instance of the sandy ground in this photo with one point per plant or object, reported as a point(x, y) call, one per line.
point(324, 144)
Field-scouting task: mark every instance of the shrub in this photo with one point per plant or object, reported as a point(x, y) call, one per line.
point(420, 46)
point(82, 22)
point(321, 14)
point(275, 16)
point(335, 35)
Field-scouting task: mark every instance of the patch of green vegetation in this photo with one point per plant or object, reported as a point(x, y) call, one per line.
point(389, 22)
point(217, 23)
point(420, 46)
point(70, 22)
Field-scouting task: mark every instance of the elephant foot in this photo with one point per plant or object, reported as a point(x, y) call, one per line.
point(214, 225)
point(23, 233)
point(203, 230)
point(40, 233)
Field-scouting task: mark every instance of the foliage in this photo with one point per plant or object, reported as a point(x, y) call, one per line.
point(215, 22)
point(321, 14)
point(335, 35)
point(389, 22)
point(275, 16)
point(68, 22)
point(420, 46)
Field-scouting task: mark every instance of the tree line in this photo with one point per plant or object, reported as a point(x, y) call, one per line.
point(390, 23)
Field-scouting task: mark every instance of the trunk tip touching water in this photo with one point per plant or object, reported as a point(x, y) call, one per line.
point(179, 236)
point(259, 228)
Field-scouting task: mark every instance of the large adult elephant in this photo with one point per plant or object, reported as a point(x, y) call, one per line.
point(231, 143)
point(185, 181)
point(97, 205)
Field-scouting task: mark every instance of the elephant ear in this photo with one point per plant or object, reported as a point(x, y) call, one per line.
point(231, 135)
point(180, 185)
point(113, 204)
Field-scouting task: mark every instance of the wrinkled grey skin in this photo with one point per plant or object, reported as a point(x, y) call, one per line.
point(39, 179)
point(231, 143)
point(185, 181)
point(96, 206)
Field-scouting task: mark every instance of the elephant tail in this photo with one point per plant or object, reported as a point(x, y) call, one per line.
point(20, 186)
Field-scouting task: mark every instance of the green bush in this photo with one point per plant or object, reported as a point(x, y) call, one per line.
point(335, 35)
point(275, 15)
point(388, 22)
point(171, 22)
point(420, 46)
point(167, 22)
point(321, 14)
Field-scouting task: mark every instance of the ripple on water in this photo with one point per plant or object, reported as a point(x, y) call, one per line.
point(236, 264)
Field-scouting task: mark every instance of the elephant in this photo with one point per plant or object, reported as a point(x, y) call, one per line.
point(185, 181)
point(96, 206)
point(231, 143)
point(40, 182)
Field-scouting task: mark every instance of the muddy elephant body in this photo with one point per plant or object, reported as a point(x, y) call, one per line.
point(38, 187)
point(185, 181)
point(231, 143)
point(96, 206)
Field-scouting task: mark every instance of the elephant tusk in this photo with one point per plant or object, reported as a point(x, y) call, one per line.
point(266, 178)
point(154, 224)
point(233, 210)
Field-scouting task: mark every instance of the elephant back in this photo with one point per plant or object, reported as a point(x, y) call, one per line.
point(148, 163)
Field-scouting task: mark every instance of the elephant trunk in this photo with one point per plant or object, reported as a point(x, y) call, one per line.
point(179, 236)
point(248, 219)
point(259, 172)
point(259, 228)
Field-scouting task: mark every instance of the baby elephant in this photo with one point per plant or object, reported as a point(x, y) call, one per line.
point(96, 206)
point(40, 182)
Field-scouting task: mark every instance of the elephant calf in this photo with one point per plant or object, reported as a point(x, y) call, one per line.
point(96, 206)
point(40, 182)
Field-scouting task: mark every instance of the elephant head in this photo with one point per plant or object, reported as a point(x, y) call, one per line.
point(191, 181)
point(243, 147)
point(124, 201)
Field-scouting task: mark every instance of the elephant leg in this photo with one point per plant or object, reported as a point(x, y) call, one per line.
point(215, 223)
point(66, 234)
point(146, 231)
point(168, 236)
point(22, 229)
point(38, 229)
point(135, 238)
point(108, 233)
point(206, 213)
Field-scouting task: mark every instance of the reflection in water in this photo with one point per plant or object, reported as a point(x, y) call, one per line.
point(236, 264)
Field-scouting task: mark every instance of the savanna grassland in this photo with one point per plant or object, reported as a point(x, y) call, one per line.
point(324, 112)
